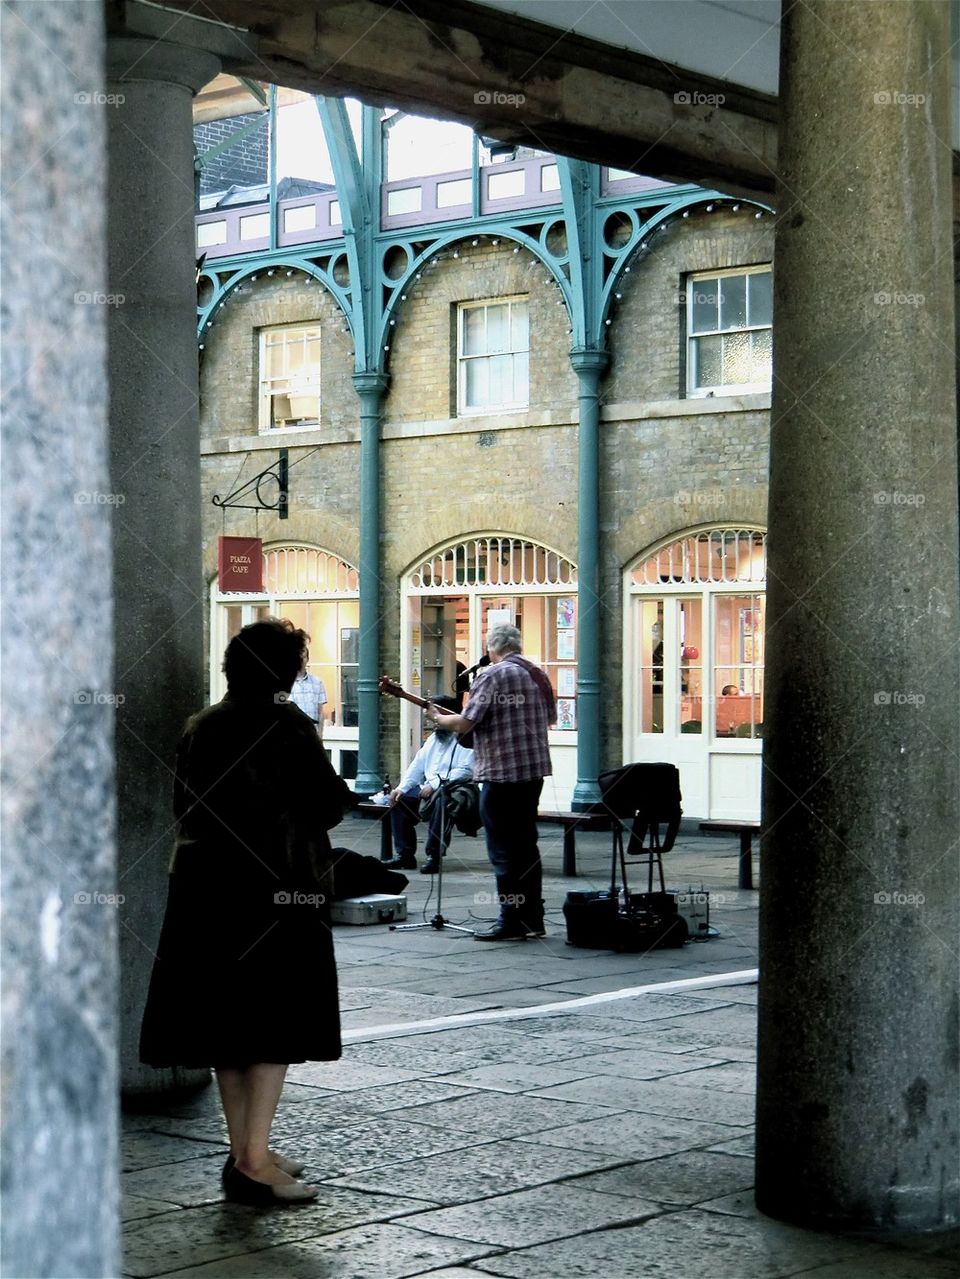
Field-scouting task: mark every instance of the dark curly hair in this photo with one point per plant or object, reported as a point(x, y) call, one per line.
point(264, 658)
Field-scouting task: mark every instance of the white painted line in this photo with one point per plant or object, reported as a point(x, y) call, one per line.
point(396, 1030)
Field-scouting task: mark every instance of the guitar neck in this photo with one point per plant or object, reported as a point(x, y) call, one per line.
point(392, 689)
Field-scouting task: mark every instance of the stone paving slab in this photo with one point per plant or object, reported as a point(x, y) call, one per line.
point(188, 1184)
point(135, 1208)
point(680, 1245)
point(479, 1114)
point(366, 1252)
point(744, 1145)
point(145, 1149)
point(686, 1178)
point(654, 1096)
point(479, 1172)
point(638, 1063)
point(337, 1152)
point(520, 1077)
point(739, 1077)
point(534, 1216)
point(189, 1237)
point(632, 1136)
point(348, 1075)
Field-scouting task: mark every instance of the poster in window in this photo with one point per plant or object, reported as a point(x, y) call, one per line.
point(566, 713)
point(566, 681)
point(566, 614)
point(566, 646)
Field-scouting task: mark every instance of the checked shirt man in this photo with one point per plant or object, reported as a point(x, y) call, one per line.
point(510, 708)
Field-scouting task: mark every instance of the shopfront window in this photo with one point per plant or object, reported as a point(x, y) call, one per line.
point(456, 595)
point(698, 641)
point(318, 592)
point(738, 665)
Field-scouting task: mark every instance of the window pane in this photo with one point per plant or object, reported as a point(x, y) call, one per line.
point(474, 327)
point(704, 309)
point(737, 361)
point(760, 293)
point(520, 325)
point(733, 302)
point(690, 663)
point(498, 329)
point(708, 362)
point(296, 355)
point(762, 351)
point(476, 383)
point(500, 385)
point(651, 666)
point(521, 378)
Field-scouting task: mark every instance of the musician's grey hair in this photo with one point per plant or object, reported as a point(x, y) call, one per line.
point(503, 639)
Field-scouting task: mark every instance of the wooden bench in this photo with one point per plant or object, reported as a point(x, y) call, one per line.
point(746, 831)
point(377, 812)
point(571, 822)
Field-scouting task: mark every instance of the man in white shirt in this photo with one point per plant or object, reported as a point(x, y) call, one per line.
point(440, 759)
point(309, 693)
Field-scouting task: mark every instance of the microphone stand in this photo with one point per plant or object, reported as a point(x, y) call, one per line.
point(438, 922)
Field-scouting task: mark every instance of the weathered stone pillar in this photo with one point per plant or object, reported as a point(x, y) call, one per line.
point(588, 366)
point(155, 466)
point(857, 1115)
point(59, 1159)
point(370, 388)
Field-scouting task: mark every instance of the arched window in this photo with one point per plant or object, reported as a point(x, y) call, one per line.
point(694, 663)
point(316, 590)
point(457, 592)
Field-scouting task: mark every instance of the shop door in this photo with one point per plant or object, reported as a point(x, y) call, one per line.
point(668, 691)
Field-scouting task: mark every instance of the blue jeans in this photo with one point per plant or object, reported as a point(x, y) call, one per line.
point(508, 811)
point(403, 822)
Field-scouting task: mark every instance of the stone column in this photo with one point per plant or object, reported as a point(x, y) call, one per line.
point(857, 1113)
point(59, 1157)
point(588, 366)
point(155, 472)
point(370, 388)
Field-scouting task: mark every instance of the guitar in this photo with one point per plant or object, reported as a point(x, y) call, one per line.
point(391, 688)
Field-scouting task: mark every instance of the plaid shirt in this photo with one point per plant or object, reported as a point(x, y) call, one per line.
point(309, 694)
point(510, 718)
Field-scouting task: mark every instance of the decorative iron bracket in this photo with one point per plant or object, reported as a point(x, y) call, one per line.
point(278, 474)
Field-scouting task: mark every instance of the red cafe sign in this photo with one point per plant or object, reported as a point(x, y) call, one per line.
point(241, 564)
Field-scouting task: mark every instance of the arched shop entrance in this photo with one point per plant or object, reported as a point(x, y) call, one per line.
point(317, 590)
point(693, 658)
point(453, 596)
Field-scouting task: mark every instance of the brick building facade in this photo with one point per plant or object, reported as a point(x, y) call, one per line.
point(672, 463)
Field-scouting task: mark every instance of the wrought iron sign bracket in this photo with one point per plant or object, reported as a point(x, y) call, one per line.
point(277, 474)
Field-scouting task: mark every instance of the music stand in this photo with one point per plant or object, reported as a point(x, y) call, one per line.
point(438, 922)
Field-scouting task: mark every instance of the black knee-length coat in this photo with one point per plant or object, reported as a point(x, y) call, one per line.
point(245, 968)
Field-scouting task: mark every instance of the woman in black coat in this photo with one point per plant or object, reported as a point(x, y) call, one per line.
point(245, 978)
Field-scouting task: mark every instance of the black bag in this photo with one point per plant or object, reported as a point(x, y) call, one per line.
point(358, 876)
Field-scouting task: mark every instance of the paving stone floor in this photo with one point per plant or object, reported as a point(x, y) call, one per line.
point(612, 1138)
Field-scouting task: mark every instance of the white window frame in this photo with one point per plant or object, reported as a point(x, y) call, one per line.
point(310, 385)
point(463, 409)
point(727, 388)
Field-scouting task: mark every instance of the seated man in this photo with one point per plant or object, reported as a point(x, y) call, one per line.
point(440, 759)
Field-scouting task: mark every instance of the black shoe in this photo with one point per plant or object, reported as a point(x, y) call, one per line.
point(536, 929)
point(241, 1189)
point(504, 930)
point(400, 863)
point(430, 867)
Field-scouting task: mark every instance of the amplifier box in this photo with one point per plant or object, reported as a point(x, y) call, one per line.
point(694, 905)
point(376, 908)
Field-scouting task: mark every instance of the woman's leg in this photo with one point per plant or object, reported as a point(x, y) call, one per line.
point(249, 1096)
point(263, 1084)
point(233, 1098)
